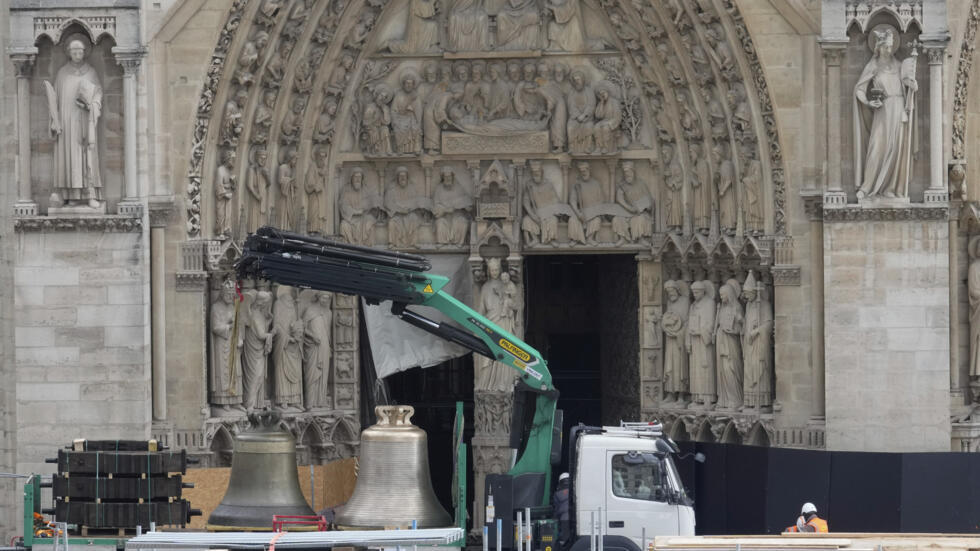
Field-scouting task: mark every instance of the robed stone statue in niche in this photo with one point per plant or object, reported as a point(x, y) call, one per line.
point(499, 302)
point(287, 353)
point(315, 313)
point(226, 354)
point(75, 105)
point(674, 321)
point(757, 345)
point(884, 125)
point(701, 345)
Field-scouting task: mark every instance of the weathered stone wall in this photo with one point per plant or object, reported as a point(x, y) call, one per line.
point(9, 506)
point(887, 334)
point(82, 330)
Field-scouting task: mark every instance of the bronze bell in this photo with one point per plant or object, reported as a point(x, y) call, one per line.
point(264, 481)
point(393, 485)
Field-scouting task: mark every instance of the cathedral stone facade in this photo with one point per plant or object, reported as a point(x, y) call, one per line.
point(794, 184)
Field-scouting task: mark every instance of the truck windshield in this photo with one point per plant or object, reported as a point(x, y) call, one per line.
point(637, 475)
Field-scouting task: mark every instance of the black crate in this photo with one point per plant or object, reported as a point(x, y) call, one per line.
point(123, 515)
point(116, 446)
point(90, 488)
point(121, 463)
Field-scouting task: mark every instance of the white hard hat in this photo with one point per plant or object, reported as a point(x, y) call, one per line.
point(562, 476)
point(808, 508)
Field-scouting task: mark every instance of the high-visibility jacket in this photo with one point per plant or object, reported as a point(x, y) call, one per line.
point(815, 524)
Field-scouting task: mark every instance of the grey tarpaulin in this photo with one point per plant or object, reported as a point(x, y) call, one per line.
point(396, 345)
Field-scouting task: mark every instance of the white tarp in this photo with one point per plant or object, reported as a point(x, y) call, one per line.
point(396, 345)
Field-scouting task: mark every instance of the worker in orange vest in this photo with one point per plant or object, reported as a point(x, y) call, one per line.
point(808, 520)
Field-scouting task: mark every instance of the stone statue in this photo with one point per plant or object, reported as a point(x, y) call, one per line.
point(543, 209)
point(287, 189)
point(674, 180)
point(257, 183)
point(674, 71)
point(752, 188)
point(451, 206)
point(476, 93)
point(586, 199)
point(608, 117)
point(518, 25)
point(292, 121)
point(555, 107)
point(421, 29)
point(528, 102)
point(316, 320)
point(276, 67)
point(407, 206)
point(287, 351)
point(701, 345)
point(581, 108)
point(499, 308)
point(359, 206)
point(341, 74)
point(75, 106)
point(224, 191)
point(266, 109)
point(323, 132)
point(757, 345)
point(689, 118)
point(674, 321)
point(303, 78)
point(226, 353)
point(727, 204)
point(498, 100)
point(700, 189)
point(469, 27)
point(716, 115)
point(634, 196)
point(435, 112)
point(256, 347)
point(565, 30)
point(406, 115)
point(723, 54)
point(317, 180)
point(728, 350)
point(376, 120)
point(248, 57)
point(887, 89)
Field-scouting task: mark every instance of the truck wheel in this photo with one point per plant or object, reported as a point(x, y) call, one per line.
point(609, 543)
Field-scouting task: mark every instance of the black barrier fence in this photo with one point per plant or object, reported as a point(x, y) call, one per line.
point(756, 490)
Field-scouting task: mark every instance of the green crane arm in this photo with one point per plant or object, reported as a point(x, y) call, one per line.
point(377, 275)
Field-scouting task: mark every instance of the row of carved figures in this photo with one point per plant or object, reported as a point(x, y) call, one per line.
point(717, 352)
point(256, 339)
point(501, 98)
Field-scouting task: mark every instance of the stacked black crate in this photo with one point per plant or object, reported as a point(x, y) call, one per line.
point(119, 485)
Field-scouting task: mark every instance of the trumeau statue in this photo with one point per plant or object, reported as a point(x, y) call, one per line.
point(674, 181)
point(287, 352)
point(885, 93)
point(406, 115)
point(360, 205)
point(634, 196)
point(317, 180)
point(701, 345)
point(421, 29)
point(700, 189)
point(407, 208)
point(542, 210)
point(518, 26)
point(757, 344)
point(468, 27)
point(224, 191)
point(499, 302)
point(674, 321)
point(451, 206)
point(256, 347)
point(75, 106)
point(728, 334)
point(226, 353)
point(257, 183)
point(316, 320)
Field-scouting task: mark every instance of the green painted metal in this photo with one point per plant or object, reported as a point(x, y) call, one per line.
point(32, 504)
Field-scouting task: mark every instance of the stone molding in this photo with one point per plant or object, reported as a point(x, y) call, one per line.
point(863, 11)
point(161, 211)
point(720, 424)
point(813, 206)
point(105, 223)
point(23, 63)
point(325, 435)
point(854, 213)
point(714, 248)
point(786, 274)
point(129, 59)
point(962, 85)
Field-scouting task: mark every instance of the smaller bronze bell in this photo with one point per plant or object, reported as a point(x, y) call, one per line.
point(264, 481)
point(393, 485)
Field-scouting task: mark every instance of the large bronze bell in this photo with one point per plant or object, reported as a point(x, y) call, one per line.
point(393, 485)
point(264, 480)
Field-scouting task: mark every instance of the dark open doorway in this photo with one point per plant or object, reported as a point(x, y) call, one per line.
point(582, 316)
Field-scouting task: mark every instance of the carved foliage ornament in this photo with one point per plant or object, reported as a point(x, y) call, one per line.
point(962, 86)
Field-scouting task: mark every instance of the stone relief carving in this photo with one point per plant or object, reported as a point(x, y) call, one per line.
point(492, 413)
point(224, 192)
point(543, 209)
point(962, 85)
point(360, 208)
point(315, 317)
point(376, 119)
point(452, 207)
point(468, 27)
point(701, 189)
point(634, 196)
point(887, 89)
point(226, 354)
point(701, 345)
point(407, 206)
point(674, 182)
point(75, 106)
point(257, 184)
point(581, 109)
point(421, 29)
point(406, 115)
point(500, 301)
point(317, 181)
point(725, 176)
point(519, 26)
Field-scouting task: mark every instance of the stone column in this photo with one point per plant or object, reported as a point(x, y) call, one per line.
point(937, 192)
point(130, 61)
point(833, 54)
point(24, 65)
point(159, 216)
point(957, 394)
point(814, 212)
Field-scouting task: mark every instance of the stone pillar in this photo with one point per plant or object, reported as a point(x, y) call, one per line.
point(130, 61)
point(833, 54)
point(159, 216)
point(650, 279)
point(24, 65)
point(957, 394)
point(937, 192)
point(814, 211)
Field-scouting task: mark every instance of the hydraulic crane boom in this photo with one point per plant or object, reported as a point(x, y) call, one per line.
point(378, 275)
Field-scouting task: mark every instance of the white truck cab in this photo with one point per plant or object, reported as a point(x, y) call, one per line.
point(624, 479)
